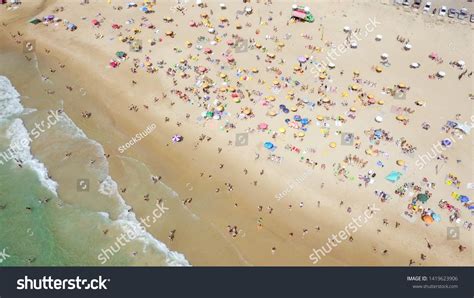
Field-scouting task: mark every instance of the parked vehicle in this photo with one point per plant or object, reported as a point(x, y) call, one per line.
point(416, 4)
point(462, 14)
point(452, 13)
point(443, 10)
point(427, 6)
point(406, 3)
point(472, 18)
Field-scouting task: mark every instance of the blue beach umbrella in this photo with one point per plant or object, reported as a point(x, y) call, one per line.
point(268, 145)
point(297, 118)
point(446, 143)
point(304, 121)
point(436, 217)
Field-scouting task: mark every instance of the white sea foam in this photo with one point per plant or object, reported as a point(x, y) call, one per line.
point(18, 135)
point(9, 99)
point(10, 105)
point(128, 221)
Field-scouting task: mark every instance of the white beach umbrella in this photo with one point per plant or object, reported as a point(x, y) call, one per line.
point(461, 62)
point(384, 56)
point(378, 37)
point(331, 65)
point(407, 47)
point(294, 6)
point(415, 65)
point(211, 30)
point(347, 29)
point(441, 74)
point(378, 119)
point(354, 45)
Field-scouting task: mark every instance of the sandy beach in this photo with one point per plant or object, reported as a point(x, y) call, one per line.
point(247, 181)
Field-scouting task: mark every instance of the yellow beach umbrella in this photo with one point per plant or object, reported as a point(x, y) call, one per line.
point(282, 130)
point(275, 82)
point(272, 113)
point(254, 70)
point(370, 96)
point(355, 87)
point(325, 100)
point(236, 100)
point(381, 102)
point(291, 92)
point(332, 144)
point(270, 98)
point(353, 109)
point(258, 46)
point(400, 118)
point(420, 103)
point(378, 69)
point(294, 109)
point(223, 75)
point(320, 117)
point(402, 85)
point(322, 76)
point(301, 134)
point(220, 108)
point(247, 111)
point(400, 162)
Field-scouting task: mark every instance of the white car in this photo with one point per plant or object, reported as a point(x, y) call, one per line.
point(443, 10)
point(427, 6)
point(406, 3)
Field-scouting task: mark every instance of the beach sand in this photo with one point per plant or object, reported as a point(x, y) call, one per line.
point(201, 228)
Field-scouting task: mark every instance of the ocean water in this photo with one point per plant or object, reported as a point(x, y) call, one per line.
point(38, 227)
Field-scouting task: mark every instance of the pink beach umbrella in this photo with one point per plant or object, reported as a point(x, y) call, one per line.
point(207, 51)
point(230, 42)
point(263, 126)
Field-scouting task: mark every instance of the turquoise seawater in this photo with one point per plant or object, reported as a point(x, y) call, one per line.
point(39, 228)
